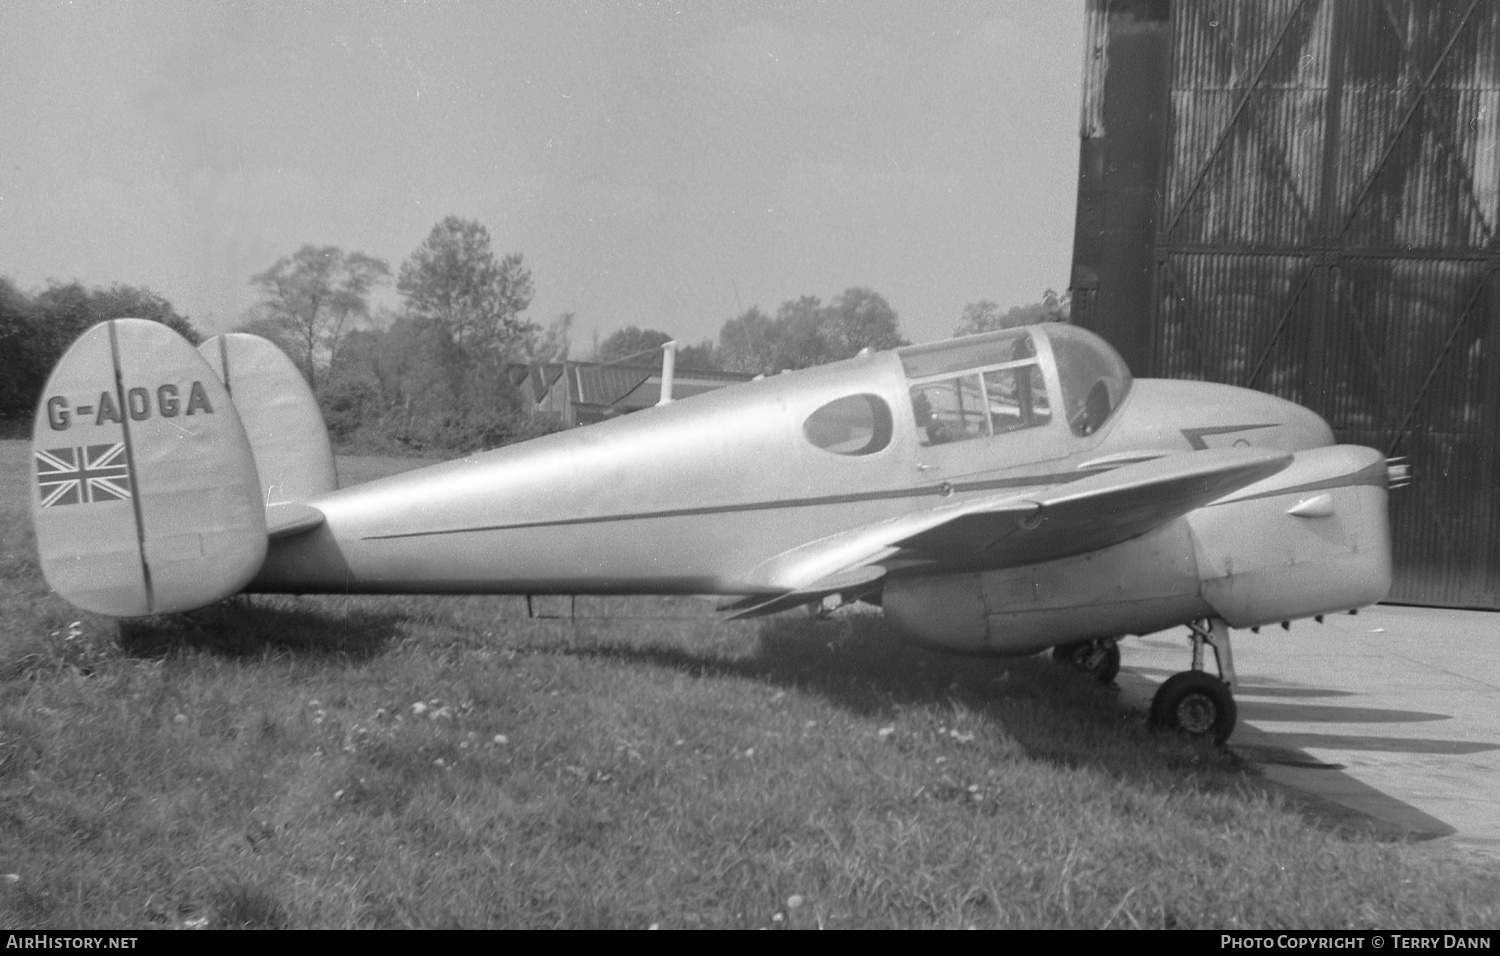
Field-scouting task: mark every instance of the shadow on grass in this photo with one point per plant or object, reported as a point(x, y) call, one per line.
point(861, 665)
point(244, 627)
point(856, 662)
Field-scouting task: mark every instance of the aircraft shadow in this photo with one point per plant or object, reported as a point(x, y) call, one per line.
point(1252, 709)
point(858, 666)
point(1319, 789)
point(1253, 690)
point(1406, 745)
point(1329, 714)
point(1052, 713)
point(244, 627)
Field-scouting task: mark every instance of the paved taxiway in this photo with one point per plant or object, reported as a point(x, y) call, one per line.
point(1393, 713)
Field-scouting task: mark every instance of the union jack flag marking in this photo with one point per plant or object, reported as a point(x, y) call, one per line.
point(83, 474)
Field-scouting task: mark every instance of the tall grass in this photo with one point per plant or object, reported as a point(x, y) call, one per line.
point(434, 762)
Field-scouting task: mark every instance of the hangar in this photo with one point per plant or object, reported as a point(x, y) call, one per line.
point(1303, 197)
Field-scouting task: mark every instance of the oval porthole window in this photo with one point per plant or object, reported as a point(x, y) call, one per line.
point(852, 425)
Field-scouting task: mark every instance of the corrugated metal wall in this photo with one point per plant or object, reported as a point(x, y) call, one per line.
point(1325, 228)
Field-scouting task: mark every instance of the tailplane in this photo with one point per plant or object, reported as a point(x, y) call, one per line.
point(146, 497)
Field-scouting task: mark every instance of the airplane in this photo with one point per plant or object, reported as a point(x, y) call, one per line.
point(1002, 493)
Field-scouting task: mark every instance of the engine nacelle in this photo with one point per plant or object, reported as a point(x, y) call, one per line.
point(1312, 539)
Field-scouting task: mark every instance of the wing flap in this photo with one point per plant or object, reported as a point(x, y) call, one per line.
point(854, 580)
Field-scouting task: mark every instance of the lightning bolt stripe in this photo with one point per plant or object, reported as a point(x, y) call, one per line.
point(1195, 436)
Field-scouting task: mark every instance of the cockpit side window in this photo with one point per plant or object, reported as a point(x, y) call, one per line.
point(949, 410)
point(1017, 398)
point(1004, 392)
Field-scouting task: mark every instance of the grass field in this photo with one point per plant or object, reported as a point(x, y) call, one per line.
point(448, 762)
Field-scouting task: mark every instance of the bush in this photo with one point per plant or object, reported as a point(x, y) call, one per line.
point(347, 404)
point(450, 434)
point(477, 430)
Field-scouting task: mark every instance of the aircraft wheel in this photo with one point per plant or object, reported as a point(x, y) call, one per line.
point(1099, 659)
point(1196, 703)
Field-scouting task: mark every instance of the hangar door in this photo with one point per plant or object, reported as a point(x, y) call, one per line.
point(1325, 228)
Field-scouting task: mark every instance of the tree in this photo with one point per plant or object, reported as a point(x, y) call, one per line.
point(702, 356)
point(35, 331)
point(454, 280)
point(640, 346)
point(800, 342)
point(21, 374)
point(747, 342)
point(138, 302)
point(316, 293)
point(631, 343)
point(860, 319)
point(806, 332)
point(552, 343)
point(985, 316)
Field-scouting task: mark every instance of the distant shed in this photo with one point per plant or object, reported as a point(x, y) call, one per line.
point(582, 393)
point(1302, 197)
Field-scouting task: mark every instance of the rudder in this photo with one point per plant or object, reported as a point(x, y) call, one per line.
point(280, 415)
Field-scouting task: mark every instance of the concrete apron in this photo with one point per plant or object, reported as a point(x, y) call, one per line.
point(1392, 715)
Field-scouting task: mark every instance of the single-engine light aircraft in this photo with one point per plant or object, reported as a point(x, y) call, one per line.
point(1002, 493)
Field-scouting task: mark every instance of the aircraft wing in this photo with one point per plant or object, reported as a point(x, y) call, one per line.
point(1012, 529)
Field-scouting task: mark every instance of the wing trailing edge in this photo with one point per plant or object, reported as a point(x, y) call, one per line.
point(1008, 530)
point(1093, 512)
point(854, 580)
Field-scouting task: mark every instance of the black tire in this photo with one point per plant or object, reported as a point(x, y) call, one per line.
point(1098, 659)
point(1197, 704)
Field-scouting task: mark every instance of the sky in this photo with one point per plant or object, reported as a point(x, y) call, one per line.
point(659, 164)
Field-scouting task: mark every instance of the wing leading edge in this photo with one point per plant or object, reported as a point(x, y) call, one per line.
point(1008, 530)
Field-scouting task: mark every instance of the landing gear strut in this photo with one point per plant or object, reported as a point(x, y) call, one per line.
point(1098, 659)
point(1194, 701)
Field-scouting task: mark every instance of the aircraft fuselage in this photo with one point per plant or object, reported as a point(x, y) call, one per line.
point(695, 496)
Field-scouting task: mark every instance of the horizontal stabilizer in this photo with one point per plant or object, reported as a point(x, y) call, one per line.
point(291, 518)
point(146, 498)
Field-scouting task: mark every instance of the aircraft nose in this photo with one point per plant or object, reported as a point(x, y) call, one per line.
point(1206, 415)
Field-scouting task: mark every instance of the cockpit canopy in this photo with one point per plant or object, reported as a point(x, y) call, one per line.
point(999, 382)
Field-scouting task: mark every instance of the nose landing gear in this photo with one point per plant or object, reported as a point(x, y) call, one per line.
point(1194, 701)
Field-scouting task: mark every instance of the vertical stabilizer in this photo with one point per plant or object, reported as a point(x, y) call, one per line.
point(145, 495)
point(280, 414)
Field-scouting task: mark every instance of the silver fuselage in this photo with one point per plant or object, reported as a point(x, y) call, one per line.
point(696, 496)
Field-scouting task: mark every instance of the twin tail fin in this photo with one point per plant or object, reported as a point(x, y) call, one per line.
point(156, 467)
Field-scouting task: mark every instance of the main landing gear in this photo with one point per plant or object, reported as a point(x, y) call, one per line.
point(1098, 659)
point(1194, 701)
